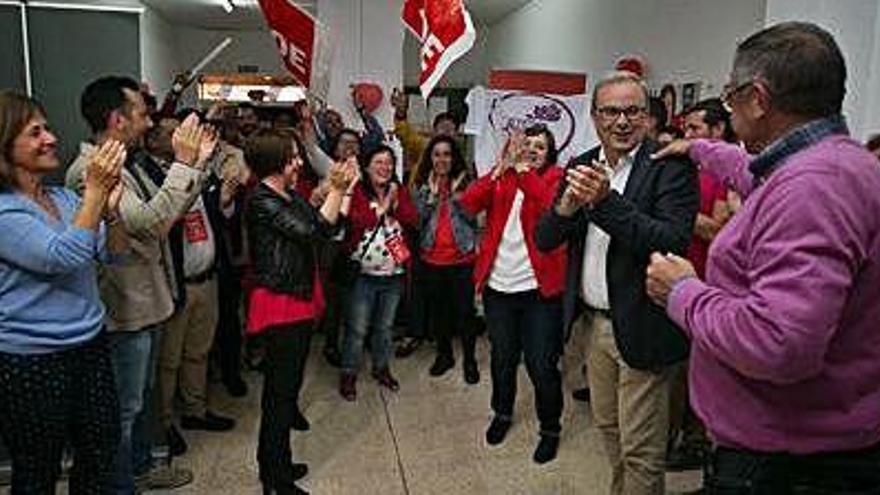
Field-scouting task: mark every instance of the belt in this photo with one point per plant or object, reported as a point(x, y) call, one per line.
point(200, 278)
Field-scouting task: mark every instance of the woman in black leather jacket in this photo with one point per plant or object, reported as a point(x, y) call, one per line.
point(284, 232)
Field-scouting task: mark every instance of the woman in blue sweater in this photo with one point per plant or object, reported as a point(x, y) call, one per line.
point(56, 380)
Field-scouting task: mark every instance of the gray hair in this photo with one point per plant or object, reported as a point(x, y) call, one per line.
point(619, 77)
point(800, 64)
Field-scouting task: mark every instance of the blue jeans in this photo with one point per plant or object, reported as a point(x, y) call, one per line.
point(134, 358)
point(524, 324)
point(373, 305)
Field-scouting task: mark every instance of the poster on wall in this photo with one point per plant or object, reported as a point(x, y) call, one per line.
point(494, 114)
point(690, 94)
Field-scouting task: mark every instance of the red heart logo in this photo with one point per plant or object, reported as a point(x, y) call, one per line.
point(368, 95)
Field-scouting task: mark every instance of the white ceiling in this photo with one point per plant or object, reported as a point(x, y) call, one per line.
point(210, 14)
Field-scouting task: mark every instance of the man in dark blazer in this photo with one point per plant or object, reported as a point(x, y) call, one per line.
point(614, 208)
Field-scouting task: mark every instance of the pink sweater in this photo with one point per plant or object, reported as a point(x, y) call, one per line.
point(785, 330)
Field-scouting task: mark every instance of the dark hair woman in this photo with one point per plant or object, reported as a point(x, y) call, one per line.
point(521, 286)
point(56, 379)
point(379, 213)
point(284, 231)
point(447, 244)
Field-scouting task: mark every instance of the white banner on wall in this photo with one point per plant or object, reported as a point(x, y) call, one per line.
point(493, 114)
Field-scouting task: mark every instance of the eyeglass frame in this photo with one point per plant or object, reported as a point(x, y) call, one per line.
point(633, 112)
point(730, 91)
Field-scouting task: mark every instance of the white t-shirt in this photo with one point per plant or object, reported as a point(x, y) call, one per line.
point(512, 271)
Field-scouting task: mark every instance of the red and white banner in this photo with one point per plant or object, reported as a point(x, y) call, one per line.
point(445, 31)
point(298, 35)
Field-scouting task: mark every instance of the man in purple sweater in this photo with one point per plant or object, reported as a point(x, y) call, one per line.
point(785, 343)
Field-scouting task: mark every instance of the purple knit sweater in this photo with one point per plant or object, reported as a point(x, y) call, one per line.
point(786, 328)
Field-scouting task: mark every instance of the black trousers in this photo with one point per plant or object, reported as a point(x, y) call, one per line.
point(228, 338)
point(450, 291)
point(287, 348)
point(49, 401)
point(336, 280)
point(526, 324)
point(739, 472)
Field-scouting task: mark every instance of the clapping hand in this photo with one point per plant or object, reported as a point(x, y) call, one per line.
point(105, 168)
point(389, 202)
point(186, 141)
point(207, 145)
point(344, 175)
point(585, 185)
point(664, 273)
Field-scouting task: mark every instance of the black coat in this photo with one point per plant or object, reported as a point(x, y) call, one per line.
point(283, 237)
point(656, 212)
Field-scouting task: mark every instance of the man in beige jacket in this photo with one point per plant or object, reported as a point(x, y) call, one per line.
point(139, 291)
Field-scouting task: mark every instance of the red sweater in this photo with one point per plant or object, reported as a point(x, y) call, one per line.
point(496, 197)
point(363, 218)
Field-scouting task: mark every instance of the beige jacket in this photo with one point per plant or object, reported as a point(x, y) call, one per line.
point(137, 290)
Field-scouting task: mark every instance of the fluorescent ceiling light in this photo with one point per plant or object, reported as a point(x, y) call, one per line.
point(227, 6)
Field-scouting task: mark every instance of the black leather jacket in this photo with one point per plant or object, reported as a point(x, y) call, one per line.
point(284, 236)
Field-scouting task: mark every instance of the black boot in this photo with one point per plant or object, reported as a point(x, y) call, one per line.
point(282, 488)
point(497, 430)
point(442, 363)
point(471, 371)
point(546, 450)
point(284, 481)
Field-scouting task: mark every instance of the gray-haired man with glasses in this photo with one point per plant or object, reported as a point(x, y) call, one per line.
point(614, 209)
point(785, 349)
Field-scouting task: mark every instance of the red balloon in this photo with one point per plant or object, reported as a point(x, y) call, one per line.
point(369, 96)
point(631, 64)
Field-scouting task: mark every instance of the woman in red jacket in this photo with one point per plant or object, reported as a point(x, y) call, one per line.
point(521, 286)
point(379, 210)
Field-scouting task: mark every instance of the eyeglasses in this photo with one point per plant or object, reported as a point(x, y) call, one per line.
point(613, 113)
point(730, 92)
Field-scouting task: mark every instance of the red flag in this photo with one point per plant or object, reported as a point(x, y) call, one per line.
point(294, 32)
point(446, 32)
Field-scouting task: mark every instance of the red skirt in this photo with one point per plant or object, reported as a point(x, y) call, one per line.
point(269, 309)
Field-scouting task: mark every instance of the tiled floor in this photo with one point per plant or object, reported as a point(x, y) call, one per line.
point(425, 439)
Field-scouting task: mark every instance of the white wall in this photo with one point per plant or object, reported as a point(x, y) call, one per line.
point(368, 45)
point(252, 47)
point(687, 41)
point(159, 58)
point(556, 35)
point(681, 40)
point(871, 117)
point(856, 27)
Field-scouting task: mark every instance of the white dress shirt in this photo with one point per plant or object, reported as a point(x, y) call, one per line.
point(594, 282)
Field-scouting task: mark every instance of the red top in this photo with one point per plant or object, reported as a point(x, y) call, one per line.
point(268, 308)
point(362, 216)
point(496, 197)
point(305, 184)
point(445, 251)
point(711, 190)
